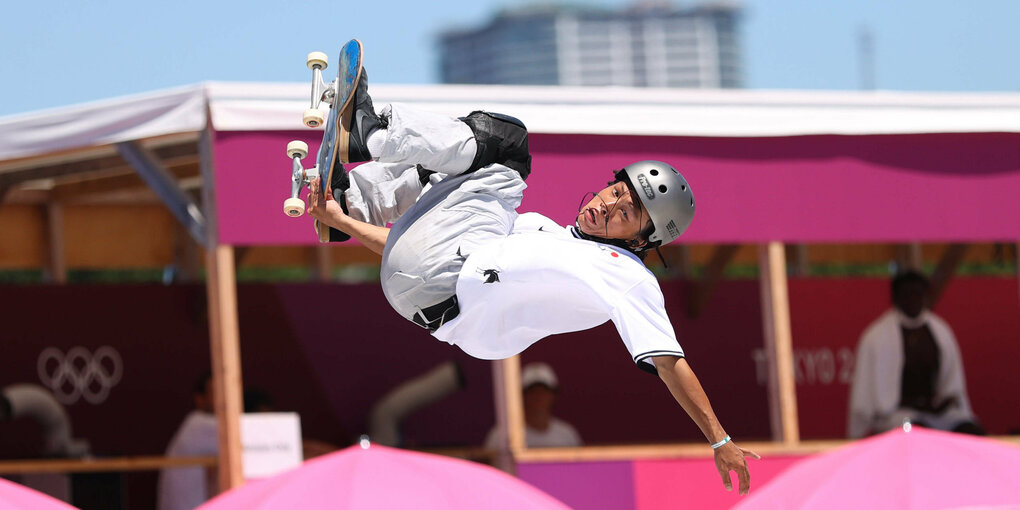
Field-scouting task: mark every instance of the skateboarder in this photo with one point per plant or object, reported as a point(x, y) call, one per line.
point(460, 262)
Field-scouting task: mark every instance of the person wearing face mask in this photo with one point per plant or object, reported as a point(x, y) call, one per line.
point(908, 368)
point(460, 262)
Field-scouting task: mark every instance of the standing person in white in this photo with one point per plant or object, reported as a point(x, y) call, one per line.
point(185, 488)
point(459, 261)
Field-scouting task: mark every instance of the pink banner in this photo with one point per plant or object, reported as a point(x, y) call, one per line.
point(647, 484)
point(934, 187)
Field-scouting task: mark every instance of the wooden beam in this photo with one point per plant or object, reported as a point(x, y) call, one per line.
point(800, 264)
point(775, 307)
point(87, 166)
point(683, 262)
point(186, 256)
point(121, 179)
point(909, 257)
point(224, 332)
point(701, 291)
point(101, 465)
point(225, 348)
point(506, 379)
point(56, 261)
point(163, 183)
point(323, 269)
point(610, 453)
point(945, 270)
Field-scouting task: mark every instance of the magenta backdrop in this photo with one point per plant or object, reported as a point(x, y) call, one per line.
point(930, 187)
point(646, 484)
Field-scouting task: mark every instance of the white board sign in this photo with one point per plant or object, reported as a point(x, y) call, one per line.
point(270, 443)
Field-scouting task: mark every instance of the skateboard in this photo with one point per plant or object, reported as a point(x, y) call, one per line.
point(338, 94)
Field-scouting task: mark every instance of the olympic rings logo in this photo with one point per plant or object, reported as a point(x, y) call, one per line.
point(79, 373)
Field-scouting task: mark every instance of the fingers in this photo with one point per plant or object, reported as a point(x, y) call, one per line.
point(745, 479)
point(726, 480)
point(749, 453)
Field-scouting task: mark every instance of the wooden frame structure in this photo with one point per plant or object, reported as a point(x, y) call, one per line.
point(106, 164)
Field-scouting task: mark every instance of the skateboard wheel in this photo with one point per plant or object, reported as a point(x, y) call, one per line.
point(317, 58)
point(298, 149)
point(313, 118)
point(294, 207)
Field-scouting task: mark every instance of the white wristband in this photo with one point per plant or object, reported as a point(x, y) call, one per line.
point(720, 443)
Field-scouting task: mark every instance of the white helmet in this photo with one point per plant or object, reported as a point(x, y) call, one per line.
point(665, 194)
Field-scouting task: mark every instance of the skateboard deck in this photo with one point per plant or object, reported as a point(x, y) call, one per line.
point(333, 150)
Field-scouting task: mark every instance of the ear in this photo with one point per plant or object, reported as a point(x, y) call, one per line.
point(637, 242)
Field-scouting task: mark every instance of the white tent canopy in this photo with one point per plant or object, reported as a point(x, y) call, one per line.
point(575, 110)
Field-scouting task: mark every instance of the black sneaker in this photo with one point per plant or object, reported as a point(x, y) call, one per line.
point(361, 121)
point(338, 184)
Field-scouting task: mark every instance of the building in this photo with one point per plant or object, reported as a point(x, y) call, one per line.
point(648, 45)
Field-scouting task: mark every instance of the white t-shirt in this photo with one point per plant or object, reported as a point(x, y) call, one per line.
point(541, 280)
point(559, 434)
point(185, 488)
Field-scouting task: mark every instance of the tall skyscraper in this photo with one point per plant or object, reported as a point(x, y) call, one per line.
point(647, 45)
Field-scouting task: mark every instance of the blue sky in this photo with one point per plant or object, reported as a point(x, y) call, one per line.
point(63, 52)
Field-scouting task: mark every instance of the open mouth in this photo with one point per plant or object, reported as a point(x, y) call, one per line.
point(590, 213)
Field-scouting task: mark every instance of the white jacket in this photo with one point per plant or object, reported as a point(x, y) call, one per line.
point(875, 390)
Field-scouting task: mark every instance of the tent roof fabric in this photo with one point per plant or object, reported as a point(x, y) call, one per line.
point(561, 110)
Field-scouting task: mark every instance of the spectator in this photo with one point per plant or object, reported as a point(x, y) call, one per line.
point(908, 368)
point(188, 487)
point(542, 429)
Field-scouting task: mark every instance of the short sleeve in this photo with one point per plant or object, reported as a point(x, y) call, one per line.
point(640, 317)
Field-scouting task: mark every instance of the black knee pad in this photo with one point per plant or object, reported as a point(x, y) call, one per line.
point(500, 139)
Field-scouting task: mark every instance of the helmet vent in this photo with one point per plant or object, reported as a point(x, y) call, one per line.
point(683, 188)
point(654, 172)
point(662, 188)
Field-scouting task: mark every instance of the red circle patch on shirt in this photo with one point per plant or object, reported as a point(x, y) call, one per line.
point(616, 254)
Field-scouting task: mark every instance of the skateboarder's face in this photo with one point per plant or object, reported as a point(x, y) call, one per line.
point(613, 214)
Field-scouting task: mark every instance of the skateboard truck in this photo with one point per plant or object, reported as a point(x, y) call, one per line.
point(301, 176)
point(338, 95)
point(321, 91)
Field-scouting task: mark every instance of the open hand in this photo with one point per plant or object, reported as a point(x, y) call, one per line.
point(730, 457)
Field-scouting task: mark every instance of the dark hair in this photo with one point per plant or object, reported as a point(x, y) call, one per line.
point(202, 383)
point(905, 278)
point(6, 410)
point(255, 399)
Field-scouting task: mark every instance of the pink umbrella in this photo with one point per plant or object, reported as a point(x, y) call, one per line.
point(19, 497)
point(386, 478)
point(900, 470)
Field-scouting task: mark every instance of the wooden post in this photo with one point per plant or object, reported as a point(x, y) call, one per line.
point(775, 307)
point(323, 265)
point(945, 270)
point(226, 361)
point(224, 333)
point(56, 261)
point(506, 379)
point(701, 291)
point(801, 266)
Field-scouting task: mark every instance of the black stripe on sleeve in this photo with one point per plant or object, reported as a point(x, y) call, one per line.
point(650, 367)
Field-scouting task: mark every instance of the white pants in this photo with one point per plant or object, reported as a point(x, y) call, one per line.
point(435, 226)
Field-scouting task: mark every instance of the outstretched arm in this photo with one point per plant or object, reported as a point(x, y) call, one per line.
point(330, 213)
point(687, 390)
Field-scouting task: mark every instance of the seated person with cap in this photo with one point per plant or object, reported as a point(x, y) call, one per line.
point(541, 428)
